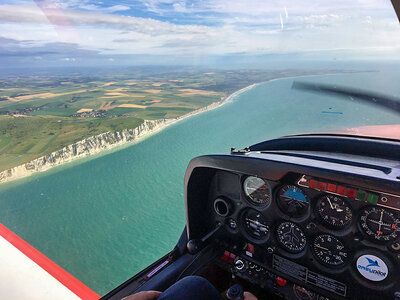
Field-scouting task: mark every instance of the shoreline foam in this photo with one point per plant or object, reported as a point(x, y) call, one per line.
point(55, 159)
point(103, 142)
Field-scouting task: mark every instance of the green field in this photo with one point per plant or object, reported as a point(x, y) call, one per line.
point(41, 114)
point(25, 138)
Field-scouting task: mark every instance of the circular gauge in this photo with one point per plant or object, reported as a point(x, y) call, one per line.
point(292, 201)
point(334, 211)
point(255, 224)
point(302, 293)
point(379, 223)
point(291, 237)
point(257, 190)
point(329, 250)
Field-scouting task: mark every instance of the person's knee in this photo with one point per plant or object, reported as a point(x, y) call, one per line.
point(196, 280)
point(194, 284)
point(191, 287)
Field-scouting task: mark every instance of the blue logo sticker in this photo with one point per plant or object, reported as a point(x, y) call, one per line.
point(372, 267)
point(372, 263)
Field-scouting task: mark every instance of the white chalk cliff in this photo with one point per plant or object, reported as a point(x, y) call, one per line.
point(88, 146)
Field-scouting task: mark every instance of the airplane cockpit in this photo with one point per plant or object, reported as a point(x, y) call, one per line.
point(312, 212)
point(299, 217)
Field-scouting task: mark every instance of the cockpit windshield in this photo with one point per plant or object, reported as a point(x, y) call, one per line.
point(103, 104)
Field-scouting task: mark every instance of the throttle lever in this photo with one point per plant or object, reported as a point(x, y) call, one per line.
point(195, 245)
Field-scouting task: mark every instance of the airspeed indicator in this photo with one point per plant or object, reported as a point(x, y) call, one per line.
point(257, 190)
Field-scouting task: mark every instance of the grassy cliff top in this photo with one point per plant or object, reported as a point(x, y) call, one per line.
point(41, 114)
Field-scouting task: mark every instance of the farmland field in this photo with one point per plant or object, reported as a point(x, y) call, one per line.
point(43, 113)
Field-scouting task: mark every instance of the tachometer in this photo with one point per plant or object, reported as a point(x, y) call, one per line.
point(255, 224)
point(379, 223)
point(292, 201)
point(291, 237)
point(334, 211)
point(257, 190)
point(329, 250)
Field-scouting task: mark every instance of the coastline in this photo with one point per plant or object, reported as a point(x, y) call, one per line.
point(104, 142)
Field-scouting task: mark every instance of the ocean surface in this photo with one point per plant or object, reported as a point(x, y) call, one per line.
point(105, 219)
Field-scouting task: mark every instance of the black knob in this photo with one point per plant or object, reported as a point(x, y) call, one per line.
point(235, 292)
point(193, 246)
point(239, 265)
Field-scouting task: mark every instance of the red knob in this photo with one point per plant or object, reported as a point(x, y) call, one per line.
point(281, 281)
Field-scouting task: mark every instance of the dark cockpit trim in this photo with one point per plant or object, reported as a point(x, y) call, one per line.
point(384, 149)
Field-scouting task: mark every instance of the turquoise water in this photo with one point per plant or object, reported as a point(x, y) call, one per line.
point(105, 219)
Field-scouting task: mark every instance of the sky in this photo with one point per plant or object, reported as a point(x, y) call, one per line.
point(166, 32)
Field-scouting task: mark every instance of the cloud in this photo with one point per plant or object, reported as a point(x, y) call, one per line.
point(126, 40)
point(81, 5)
point(189, 43)
point(109, 9)
point(272, 7)
point(12, 47)
point(194, 28)
point(69, 59)
point(180, 7)
point(31, 14)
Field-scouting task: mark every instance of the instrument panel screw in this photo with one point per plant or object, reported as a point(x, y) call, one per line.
point(270, 250)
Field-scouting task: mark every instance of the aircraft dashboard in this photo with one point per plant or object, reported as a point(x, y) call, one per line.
point(302, 224)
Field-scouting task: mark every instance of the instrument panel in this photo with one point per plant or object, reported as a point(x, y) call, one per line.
point(341, 215)
point(329, 230)
point(303, 217)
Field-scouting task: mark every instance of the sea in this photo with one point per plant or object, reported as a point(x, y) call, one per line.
point(106, 218)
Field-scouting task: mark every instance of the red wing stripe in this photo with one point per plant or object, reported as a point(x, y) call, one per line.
point(66, 279)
